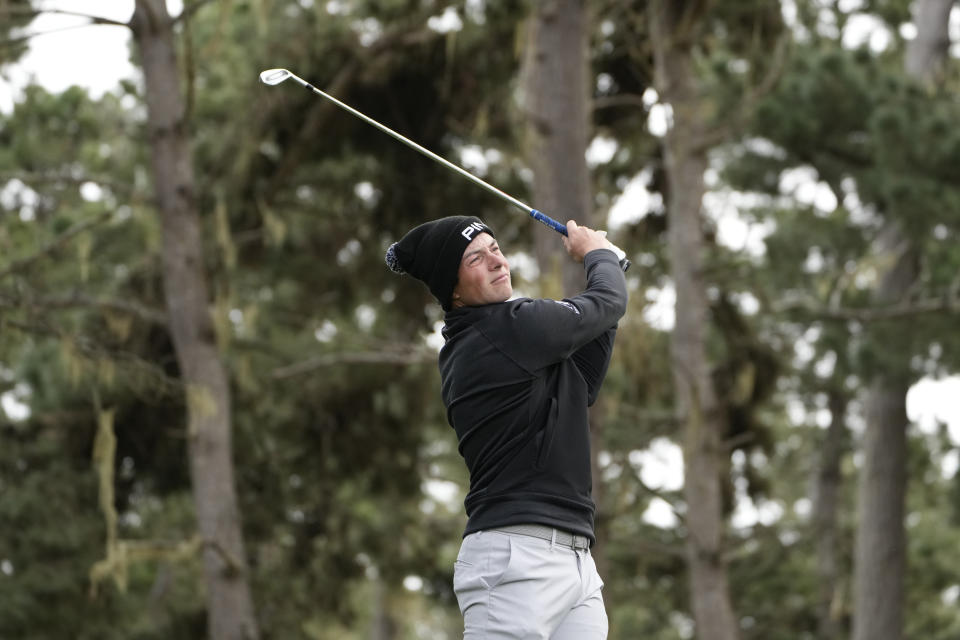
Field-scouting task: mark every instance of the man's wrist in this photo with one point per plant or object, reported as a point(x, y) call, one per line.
point(609, 253)
point(607, 249)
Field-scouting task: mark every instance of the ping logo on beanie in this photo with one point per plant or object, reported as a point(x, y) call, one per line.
point(472, 228)
point(432, 252)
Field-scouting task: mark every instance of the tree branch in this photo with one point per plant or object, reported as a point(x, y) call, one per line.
point(656, 493)
point(190, 9)
point(233, 565)
point(55, 244)
point(412, 355)
point(873, 314)
point(29, 12)
point(619, 100)
point(28, 177)
point(76, 299)
point(94, 20)
point(659, 548)
point(717, 135)
point(145, 377)
point(738, 441)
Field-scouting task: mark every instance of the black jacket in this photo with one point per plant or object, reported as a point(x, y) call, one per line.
point(518, 377)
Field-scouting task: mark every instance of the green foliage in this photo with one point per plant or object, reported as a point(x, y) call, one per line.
point(15, 14)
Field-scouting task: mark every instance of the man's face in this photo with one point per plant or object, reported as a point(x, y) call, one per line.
point(484, 275)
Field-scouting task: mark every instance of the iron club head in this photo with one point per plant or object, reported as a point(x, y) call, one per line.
point(274, 76)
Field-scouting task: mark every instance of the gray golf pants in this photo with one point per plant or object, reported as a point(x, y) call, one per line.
point(514, 586)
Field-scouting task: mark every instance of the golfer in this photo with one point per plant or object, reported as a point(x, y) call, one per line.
point(517, 378)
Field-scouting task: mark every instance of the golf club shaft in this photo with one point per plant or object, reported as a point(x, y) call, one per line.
point(536, 215)
point(275, 76)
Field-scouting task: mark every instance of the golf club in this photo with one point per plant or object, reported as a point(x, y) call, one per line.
point(276, 76)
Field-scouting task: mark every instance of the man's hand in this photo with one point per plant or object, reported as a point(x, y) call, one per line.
point(580, 241)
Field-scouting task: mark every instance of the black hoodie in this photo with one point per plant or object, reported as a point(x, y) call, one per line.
point(518, 377)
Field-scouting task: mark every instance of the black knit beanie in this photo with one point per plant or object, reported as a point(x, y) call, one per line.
point(432, 251)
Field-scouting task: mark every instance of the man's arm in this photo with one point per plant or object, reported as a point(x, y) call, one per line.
point(593, 360)
point(542, 332)
point(546, 331)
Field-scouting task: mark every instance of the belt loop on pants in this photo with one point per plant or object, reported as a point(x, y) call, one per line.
point(550, 534)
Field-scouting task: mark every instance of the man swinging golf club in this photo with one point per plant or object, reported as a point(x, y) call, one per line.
point(517, 379)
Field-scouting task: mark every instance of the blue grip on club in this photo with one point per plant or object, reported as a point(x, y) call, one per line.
point(547, 220)
point(562, 228)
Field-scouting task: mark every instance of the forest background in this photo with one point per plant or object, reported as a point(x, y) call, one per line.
point(221, 415)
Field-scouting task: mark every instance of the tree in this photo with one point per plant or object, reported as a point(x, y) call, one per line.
point(698, 408)
point(556, 106)
point(209, 424)
point(881, 535)
point(851, 116)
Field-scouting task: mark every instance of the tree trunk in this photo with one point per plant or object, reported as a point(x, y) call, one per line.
point(826, 492)
point(556, 102)
point(927, 52)
point(229, 605)
point(880, 555)
point(384, 625)
point(881, 538)
point(696, 399)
